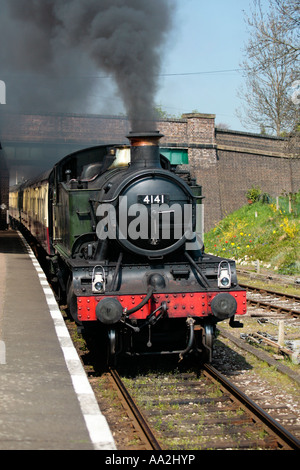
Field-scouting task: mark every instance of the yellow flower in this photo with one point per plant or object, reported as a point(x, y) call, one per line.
point(248, 246)
point(241, 233)
point(232, 244)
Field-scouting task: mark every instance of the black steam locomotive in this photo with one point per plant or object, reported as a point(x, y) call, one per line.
point(119, 226)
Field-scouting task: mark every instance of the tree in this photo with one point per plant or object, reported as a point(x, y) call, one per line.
point(289, 18)
point(270, 67)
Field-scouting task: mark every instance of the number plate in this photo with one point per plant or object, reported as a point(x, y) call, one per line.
point(154, 199)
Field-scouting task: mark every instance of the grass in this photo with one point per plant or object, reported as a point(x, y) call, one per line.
point(258, 231)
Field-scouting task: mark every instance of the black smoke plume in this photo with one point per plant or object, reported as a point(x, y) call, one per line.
point(48, 48)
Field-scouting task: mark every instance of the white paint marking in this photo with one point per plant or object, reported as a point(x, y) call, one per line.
point(2, 352)
point(96, 423)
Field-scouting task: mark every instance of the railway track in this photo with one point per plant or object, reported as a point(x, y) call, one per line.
point(206, 412)
point(141, 425)
point(272, 301)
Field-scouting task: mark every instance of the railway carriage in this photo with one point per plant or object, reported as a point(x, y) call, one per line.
point(29, 207)
point(120, 227)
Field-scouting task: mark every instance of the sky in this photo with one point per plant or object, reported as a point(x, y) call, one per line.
point(207, 38)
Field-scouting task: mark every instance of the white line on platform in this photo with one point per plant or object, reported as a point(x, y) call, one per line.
point(96, 423)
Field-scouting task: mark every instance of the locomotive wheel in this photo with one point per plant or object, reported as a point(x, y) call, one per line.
point(208, 341)
point(204, 342)
point(112, 347)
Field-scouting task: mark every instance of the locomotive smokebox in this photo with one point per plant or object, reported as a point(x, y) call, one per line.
point(145, 149)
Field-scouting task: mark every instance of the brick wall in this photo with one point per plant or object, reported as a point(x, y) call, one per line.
point(226, 163)
point(248, 159)
point(69, 128)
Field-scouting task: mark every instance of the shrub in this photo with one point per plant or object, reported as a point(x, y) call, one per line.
point(253, 194)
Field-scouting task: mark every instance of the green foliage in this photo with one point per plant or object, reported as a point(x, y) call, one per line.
point(258, 231)
point(253, 194)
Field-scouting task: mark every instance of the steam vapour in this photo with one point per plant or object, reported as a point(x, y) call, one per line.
point(54, 38)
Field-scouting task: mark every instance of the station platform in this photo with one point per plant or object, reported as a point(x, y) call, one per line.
point(46, 402)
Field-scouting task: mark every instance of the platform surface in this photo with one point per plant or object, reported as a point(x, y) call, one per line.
point(46, 402)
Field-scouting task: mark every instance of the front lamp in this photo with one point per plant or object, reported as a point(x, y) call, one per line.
point(224, 275)
point(98, 280)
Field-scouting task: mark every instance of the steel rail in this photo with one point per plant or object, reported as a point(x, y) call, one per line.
point(272, 307)
point(135, 410)
point(268, 305)
point(293, 297)
point(285, 436)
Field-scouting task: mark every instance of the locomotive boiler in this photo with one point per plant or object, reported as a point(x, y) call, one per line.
point(119, 226)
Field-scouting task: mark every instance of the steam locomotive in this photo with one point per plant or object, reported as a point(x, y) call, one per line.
point(119, 225)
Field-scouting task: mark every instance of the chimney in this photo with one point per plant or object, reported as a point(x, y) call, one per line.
point(145, 149)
